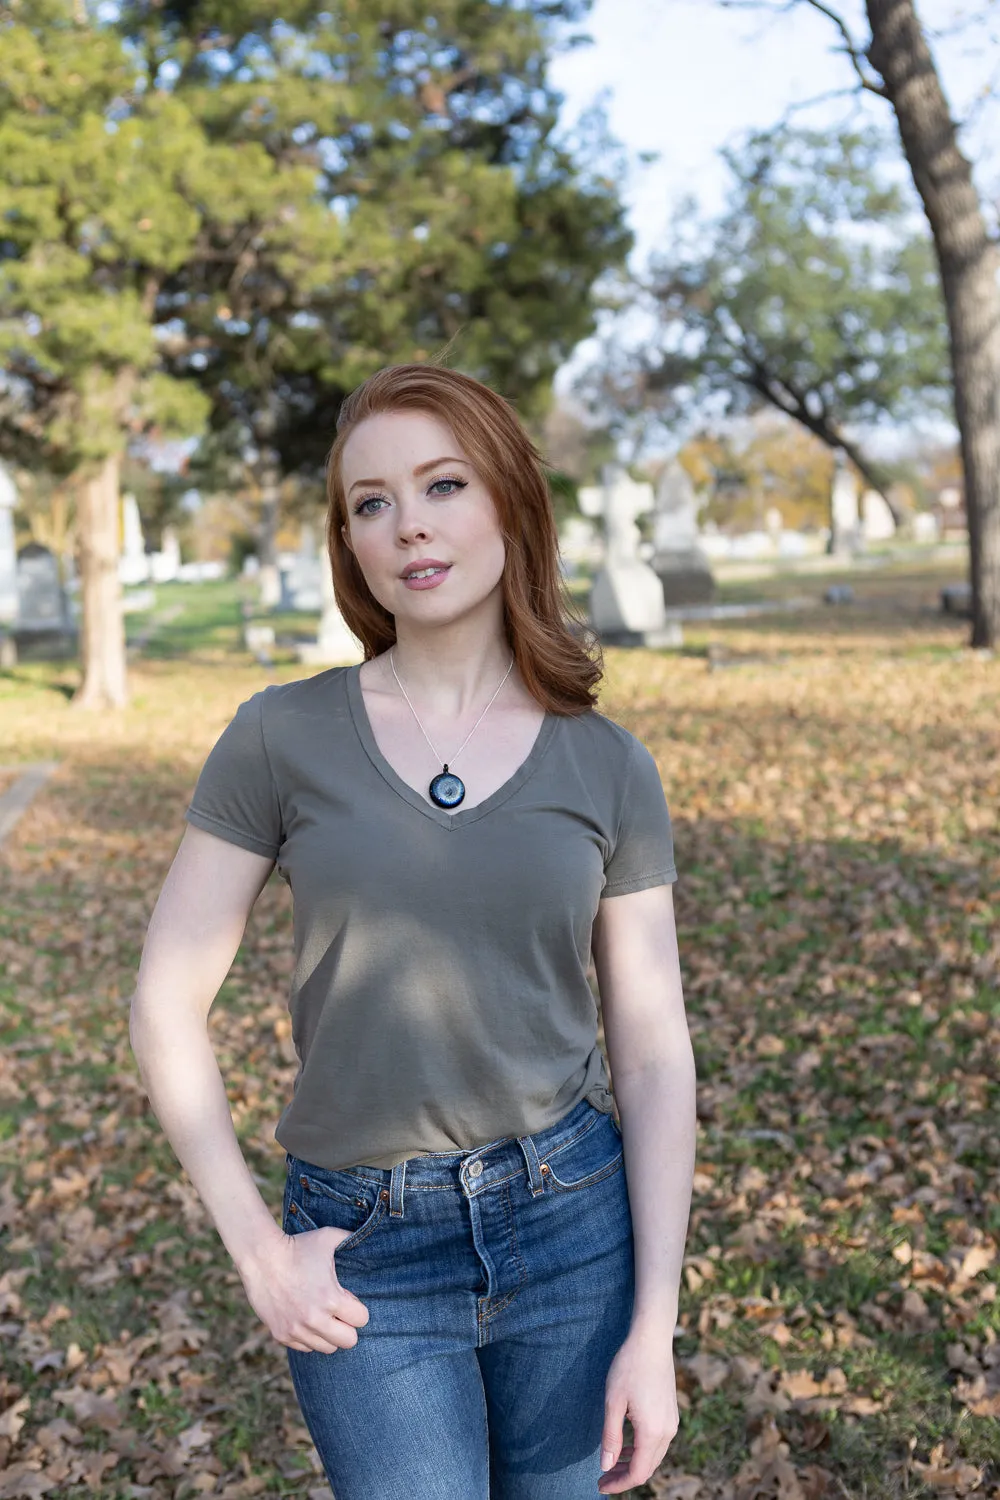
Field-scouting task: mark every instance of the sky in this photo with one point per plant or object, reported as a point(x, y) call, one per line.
point(684, 77)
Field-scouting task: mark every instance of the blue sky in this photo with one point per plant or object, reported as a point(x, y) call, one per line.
point(683, 77)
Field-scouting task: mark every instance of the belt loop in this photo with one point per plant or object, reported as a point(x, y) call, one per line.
point(396, 1190)
point(535, 1180)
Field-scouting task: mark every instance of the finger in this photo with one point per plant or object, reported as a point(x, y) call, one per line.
point(641, 1465)
point(615, 1480)
point(349, 1309)
point(314, 1343)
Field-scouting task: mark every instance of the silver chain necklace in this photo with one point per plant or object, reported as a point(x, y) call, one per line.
point(447, 789)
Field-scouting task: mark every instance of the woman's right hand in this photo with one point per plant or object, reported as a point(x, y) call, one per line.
point(292, 1286)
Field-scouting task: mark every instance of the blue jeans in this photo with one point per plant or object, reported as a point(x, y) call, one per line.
point(499, 1284)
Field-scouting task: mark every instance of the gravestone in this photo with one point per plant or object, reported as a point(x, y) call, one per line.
point(579, 545)
point(269, 585)
point(679, 559)
point(877, 524)
point(133, 564)
point(8, 551)
point(165, 565)
point(925, 527)
point(845, 523)
point(626, 601)
point(335, 646)
point(43, 615)
point(302, 583)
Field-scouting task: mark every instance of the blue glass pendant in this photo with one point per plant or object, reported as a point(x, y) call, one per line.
point(447, 790)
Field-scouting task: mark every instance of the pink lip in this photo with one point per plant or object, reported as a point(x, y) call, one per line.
point(426, 583)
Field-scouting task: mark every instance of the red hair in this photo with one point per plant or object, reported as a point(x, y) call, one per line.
point(560, 670)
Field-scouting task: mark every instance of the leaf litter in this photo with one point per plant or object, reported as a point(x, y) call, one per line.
point(835, 810)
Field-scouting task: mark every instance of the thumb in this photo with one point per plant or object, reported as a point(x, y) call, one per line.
point(611, 1439)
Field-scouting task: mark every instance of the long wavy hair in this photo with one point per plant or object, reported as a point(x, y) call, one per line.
point(559, 662)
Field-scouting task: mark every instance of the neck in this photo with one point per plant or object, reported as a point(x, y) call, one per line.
point(451, 670)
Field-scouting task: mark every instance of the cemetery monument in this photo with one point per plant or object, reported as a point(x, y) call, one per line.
point(679, 559)
point(335, 646)
point(626, 601)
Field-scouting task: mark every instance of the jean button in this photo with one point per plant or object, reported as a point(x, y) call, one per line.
point(476, 1170)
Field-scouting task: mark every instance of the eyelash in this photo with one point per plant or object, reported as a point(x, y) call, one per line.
point(443, 479)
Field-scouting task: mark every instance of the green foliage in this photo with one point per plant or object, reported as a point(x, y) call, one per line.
point(265, 206)
point(94, 210)
point(815, 291)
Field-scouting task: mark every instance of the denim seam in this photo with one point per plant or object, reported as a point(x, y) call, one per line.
point(368, 1227)
point(595, 1177)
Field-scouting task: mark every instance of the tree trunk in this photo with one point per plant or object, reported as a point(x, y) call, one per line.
point(102, 632)
point(968, 263)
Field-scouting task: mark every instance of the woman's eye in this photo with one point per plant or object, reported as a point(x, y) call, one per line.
point(372, 504)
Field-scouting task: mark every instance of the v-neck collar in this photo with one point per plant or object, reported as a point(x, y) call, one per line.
point(362, 723)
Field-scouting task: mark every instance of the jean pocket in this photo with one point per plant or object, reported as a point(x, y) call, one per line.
point(595, 1152)
point(314, 1201)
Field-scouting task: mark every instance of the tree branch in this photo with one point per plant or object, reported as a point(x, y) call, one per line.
point(777, 392)
point(850, 47)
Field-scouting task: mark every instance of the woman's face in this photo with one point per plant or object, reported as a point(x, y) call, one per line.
point(415, 504)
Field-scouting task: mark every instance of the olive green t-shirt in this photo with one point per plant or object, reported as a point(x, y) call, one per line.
point(439, 998)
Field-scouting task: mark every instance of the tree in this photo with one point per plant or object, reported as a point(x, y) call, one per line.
point(458, 217)
point(226, 211)
point(813, 293)
point(750, 468)
point(92, 219)
point(896, 63)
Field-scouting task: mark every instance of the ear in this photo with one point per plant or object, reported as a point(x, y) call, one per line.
point(347, 538)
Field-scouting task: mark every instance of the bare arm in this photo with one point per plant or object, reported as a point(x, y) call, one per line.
point(653, 1075)
point(194, 934)
point(652, 1068)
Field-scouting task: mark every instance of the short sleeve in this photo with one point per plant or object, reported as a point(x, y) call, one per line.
point(236, 797)
point(643, 854)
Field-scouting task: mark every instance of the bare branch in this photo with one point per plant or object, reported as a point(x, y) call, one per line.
point(780, 7)
point(799, 104)
point(851, 48)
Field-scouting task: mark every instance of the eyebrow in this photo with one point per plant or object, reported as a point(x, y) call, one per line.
point(420, 469)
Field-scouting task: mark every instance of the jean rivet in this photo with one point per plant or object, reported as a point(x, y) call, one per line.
point(384, 1195)
point(292, 1209)
point(304, 1181)
point(544, 1166)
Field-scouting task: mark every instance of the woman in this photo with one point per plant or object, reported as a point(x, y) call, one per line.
point(474, 1282)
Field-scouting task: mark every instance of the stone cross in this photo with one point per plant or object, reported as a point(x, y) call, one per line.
point(626, 599)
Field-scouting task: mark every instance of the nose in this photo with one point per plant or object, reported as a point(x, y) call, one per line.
point(412, 524)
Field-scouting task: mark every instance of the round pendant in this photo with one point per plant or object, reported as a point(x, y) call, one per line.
point(447, 790)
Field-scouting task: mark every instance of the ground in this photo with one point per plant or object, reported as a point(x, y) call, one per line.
point(834, 780)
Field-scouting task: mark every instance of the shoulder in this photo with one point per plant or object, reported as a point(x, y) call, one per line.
point(304, 692)
point(277, 714)
point(281, 702)
point(605, 739)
